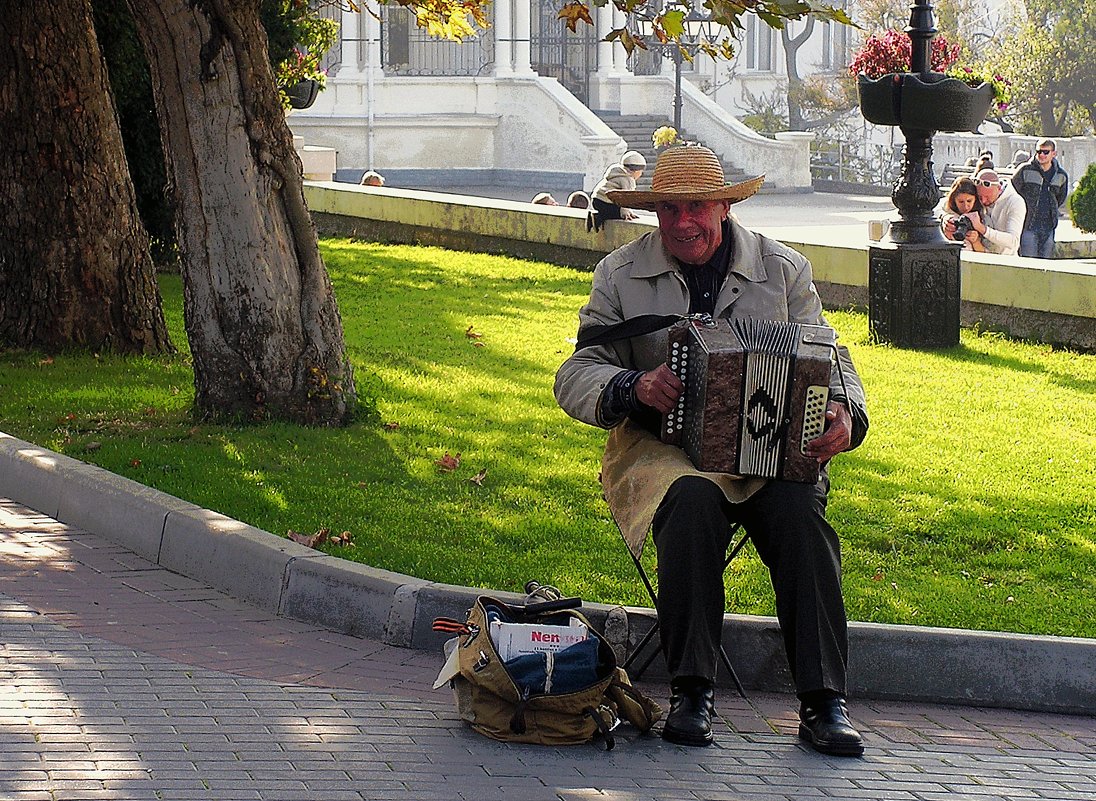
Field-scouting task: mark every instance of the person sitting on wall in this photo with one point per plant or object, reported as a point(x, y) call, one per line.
point(372, 178)
point(620, 177)
point(578, 200)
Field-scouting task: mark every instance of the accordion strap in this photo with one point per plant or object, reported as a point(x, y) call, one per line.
point(635, 327)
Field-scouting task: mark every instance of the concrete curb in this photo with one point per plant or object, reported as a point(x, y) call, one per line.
point(897, 662)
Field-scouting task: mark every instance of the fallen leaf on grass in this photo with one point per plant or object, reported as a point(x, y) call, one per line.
point(309, 540)
point(447, 463)
point(319, 538)
point(478, 478)
point(391, 426)
point(134, 462)
point(472, 334)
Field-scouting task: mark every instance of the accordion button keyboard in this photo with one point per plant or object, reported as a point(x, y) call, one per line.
point(814, 414)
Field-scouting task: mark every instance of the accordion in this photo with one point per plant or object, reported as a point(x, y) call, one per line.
point(755, 395)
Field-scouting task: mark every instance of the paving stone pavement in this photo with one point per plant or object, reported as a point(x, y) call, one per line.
point(122, 680)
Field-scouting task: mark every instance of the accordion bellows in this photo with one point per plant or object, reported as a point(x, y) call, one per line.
point(755, 394)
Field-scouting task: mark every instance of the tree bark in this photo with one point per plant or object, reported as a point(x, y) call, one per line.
point(75, 268)
point(261, 316)
point(795, 83)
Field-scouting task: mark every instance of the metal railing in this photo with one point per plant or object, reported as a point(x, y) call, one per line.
point(407, 49)
point(857, 162)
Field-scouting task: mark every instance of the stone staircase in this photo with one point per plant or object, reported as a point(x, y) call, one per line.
point(636, 130)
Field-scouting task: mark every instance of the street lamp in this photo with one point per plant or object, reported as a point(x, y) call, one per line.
point(698, 31)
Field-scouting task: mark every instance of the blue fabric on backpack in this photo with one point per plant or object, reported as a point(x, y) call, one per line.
point(574, 668)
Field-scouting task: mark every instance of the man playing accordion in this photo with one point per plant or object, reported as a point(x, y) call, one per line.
point(701, 260)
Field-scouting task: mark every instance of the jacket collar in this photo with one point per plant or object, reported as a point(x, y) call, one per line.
point(654, 260)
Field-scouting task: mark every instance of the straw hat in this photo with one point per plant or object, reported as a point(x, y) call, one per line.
point(689, 172)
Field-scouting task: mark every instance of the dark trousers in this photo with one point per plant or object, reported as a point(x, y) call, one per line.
point(787, 524)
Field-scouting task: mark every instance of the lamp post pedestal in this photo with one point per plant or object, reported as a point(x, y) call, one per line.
point(913, 295)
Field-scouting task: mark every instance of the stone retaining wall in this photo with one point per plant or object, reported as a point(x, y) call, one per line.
point(1047, 301)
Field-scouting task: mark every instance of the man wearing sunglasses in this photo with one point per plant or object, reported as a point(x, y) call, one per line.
point(1003, 213)
point(1043, 185)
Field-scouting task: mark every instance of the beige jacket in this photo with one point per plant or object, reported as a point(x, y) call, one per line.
point(765, 280)
point(616, 178)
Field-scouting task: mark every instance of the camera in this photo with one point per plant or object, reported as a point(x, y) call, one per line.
point(963, 226)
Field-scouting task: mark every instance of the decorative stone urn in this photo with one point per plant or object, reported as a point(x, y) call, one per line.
point(928, 102)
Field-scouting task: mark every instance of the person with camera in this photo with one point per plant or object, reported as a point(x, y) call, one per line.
point(1003, 213)
point(961, 208)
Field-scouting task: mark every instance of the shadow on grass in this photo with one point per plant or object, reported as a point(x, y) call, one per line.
point(460, 353)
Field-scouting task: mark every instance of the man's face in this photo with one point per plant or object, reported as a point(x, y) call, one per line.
point(1045, 155)
point(987, 195)
point(692, 230)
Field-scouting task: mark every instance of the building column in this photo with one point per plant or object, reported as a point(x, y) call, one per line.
point(620, 58)
point(349, 32)
point(504, 37)
point(522, 32)
point(371, 36)
point(604, 24)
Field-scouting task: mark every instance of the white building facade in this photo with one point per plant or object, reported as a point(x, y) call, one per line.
point(526, 103)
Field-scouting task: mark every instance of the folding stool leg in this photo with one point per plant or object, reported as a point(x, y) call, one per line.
point(653, 631)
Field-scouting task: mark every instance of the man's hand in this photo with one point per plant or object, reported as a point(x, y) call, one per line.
point(838, 434)
point(659, 389)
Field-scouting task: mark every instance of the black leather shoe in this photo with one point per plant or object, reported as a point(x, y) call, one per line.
point(826, 726)
point(690, 720)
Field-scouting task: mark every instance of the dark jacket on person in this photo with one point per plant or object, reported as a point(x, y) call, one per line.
point(1043, 192)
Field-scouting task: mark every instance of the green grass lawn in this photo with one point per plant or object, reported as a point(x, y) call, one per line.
point(971, 503)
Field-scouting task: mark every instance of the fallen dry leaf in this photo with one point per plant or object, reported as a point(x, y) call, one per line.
point(134, 462)
point(391, 426)
point(472, 334)
point(478, 478)
point(447, 463)
point(309, 540)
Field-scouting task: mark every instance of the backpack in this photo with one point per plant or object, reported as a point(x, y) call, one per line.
point(561, 698)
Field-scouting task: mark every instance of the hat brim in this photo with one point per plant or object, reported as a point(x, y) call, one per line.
point(646, 200)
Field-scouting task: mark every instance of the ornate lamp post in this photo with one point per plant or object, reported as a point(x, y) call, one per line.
point(913, 276)
point(698, 30)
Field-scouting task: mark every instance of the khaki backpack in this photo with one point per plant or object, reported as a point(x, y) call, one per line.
point(497, 705)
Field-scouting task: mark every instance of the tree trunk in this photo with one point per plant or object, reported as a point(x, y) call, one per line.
point(261, 316)
point(75, 268)
point(795, 83)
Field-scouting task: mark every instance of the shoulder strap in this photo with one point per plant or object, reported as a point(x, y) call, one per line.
point(634, 327)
